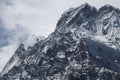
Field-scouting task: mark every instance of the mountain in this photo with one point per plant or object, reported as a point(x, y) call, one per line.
point(9, 42)
point(6, 53)
point(84, 46)
point(30, 41)
point(10, 39)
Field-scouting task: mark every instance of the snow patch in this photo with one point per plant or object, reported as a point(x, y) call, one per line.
point(31, 40)
point(101, 38)
point(61, 55)
point(45, 49)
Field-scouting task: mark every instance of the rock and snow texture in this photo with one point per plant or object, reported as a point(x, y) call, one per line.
point(9, 42)
point(31, 40)
point(15, 59)
point(5, 54)
point(84, 46)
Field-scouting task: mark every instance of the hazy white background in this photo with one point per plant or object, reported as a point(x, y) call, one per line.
point(19, 18)
point(39, 17)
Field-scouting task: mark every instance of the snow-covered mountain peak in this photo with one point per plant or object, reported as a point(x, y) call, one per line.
point(74, 17)
point(107, 8)
point(87, 20)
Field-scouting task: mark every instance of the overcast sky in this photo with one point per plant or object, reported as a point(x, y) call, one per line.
point(39, 17)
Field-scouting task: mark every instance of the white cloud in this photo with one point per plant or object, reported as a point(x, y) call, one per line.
point(40, 16)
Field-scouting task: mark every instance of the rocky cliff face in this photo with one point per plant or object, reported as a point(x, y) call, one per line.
point(84, 46)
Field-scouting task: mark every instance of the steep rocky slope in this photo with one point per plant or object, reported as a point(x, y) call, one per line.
point(19, 53)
